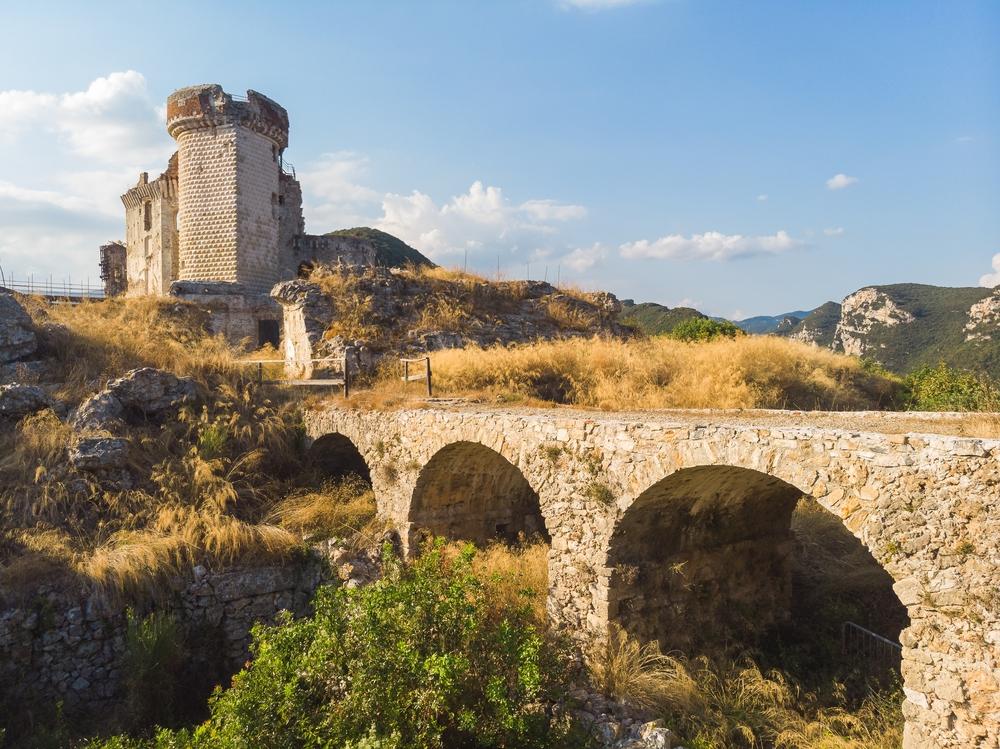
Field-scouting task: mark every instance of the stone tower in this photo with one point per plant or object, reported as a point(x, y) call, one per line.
point(229, 172)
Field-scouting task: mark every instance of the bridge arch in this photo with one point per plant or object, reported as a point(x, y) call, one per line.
point(336, 456)
point(702, 556)
point(471, 492)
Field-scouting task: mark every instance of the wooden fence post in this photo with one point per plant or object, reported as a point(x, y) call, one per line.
point(429, 391)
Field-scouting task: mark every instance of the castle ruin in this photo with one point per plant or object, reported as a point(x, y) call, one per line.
point(223, 223)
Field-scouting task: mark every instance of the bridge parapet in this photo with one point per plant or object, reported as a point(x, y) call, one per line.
point(617, 495)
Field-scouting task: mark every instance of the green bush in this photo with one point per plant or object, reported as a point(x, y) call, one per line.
point(704, 329)
point(945, 388)
point(424, 658)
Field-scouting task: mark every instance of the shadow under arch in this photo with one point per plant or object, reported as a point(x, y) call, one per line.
point(471, 492)
point(335, 456)
point(702, 557)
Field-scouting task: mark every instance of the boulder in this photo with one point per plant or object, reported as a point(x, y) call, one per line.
point(17, 332)
point(99, 453)
point(17, 401)
point(152, 391)
point(147, 391)
point(100, 411)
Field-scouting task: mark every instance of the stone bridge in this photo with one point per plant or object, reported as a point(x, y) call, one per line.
point(676, 525)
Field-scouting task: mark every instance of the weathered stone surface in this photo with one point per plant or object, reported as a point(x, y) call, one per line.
point(70, 648)
point(926, 506)
point(17, 401)
point(17, 333)
point(99, 453)
point(147, 391)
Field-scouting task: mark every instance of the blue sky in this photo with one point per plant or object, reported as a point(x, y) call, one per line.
point(745, 157)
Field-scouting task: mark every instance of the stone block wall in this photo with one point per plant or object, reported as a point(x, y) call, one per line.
point(151, 237)
point(209, 243)
point(70, 648)
point(257, 211)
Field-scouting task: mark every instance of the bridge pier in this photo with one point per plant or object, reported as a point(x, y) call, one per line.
point(710, 495)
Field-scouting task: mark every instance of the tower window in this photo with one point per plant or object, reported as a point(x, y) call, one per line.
point(147, 215)
point(274, 154)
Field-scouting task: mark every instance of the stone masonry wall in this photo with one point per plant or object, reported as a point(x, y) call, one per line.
point(926, 506)
point(60, 647)
point(207, 215)
point(257, 209)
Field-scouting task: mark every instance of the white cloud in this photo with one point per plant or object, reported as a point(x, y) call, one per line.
point(551, 210)
point(711, 245)
point(840, 181)
point(687, 302)
point(762, 198)
point(596, 5)
point(333, 195)
point(964, 139)
point(585, 258)
point(992, 279)
point(86, 148)
point(113, 121)
point(834, 231)
point(479, 219)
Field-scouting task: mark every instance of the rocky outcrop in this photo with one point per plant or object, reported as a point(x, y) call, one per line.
point(400, 312)
point(99, 453)
point(860, 313)
point(146, 393)
point(17, 332)
point(984, 319)
point(18, 401)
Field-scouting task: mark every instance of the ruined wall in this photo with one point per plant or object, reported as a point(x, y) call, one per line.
point(291, 225)
point(151, 237)
point(926, 506)
point(60, 647)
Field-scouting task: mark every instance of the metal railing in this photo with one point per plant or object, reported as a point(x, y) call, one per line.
point(875, 649)
point(52, 289)
point(343, 381)
point(423, 375)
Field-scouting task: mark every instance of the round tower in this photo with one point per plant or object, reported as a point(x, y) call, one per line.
point(229, 155)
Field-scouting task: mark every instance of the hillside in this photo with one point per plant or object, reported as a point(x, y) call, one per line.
point(389, 250)
point(762, 324)
point(907, 326)
point(655, 319)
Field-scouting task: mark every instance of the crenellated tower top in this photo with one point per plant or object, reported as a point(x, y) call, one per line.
point(207, 106)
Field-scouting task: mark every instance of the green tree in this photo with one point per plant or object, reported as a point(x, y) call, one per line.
point(704, 329)
point(945, 388)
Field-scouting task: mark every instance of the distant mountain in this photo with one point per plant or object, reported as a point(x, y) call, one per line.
point(906, 326)
point(389, 250)
point(770, 323)
point(654, 319)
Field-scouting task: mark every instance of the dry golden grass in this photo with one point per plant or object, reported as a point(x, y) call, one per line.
point(736, 706)
point(344, 509)
point(516, 575)
point(747, 372)
point(97, 341)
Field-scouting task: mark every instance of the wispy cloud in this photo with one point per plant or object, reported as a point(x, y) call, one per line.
point(834, 231)
point(840, 181)
point(711, 245)
point(992, 279)
point(596, 5)
point(762, 198)
point(585, 258)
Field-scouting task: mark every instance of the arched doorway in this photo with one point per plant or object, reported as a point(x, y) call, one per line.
point(468, 491)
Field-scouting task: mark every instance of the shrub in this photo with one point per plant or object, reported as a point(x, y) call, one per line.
point(421, 659)
point(945, 388)
point(704, 329)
